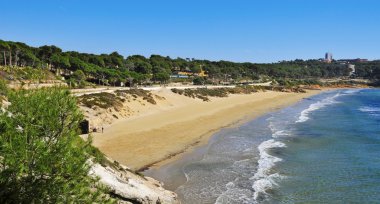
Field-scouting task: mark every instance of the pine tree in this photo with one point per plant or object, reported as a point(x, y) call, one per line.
point(42, 157)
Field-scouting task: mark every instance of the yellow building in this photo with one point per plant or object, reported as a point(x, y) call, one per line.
point(202, 73)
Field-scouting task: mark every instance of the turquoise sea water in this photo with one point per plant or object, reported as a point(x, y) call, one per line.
point(334, 155)
point(325, 149)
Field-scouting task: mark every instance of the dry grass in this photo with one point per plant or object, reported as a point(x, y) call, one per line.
point(145, 95)
point(204, 93)
point(102, 100)
point(114, 100)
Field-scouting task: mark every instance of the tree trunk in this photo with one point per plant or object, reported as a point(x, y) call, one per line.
point(16, 58)
point(10, 58)
point(5, 59)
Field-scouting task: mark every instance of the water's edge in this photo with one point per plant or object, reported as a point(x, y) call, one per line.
point(239, 164)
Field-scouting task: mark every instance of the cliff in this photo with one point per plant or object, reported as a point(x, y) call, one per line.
point(129, 187)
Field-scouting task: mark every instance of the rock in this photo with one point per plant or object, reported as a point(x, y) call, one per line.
point(131, 187)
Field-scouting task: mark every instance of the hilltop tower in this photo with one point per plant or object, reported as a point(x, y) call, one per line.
point(328, 57)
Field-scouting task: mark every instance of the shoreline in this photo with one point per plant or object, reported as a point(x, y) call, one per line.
point(250, 152)
point(176, 129)
point(204, 141)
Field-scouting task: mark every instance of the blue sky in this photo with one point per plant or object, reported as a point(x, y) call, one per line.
point(236, 30)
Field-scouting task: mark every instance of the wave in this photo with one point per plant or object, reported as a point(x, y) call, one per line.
point(281, 133)
point(264, 178)
point(351, 91)
point(279, 126)
point(375, 111)
point(304, 116)
point(235, 195)
point(369, 109)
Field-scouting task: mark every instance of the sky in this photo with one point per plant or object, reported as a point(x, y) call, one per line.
point(260, 31)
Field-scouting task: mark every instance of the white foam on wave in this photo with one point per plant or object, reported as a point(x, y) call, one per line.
point(261, 186)
point(369, 109)
point(280, 133)
point(351, 91)
point(274, 127)
point(230, 185)
point(304, 116)
point(235, 195)
point(374, 111)
point(185, 174)
point(264, 179)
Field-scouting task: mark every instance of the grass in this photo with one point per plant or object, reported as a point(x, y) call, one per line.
point(145, 95)
point(26, 73)
point(204, 93)
point(103, 100)
point(109, 100)
point(294, 89)
point(297, 82)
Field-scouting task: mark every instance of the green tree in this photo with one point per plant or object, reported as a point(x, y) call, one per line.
point(195, 68)
point(116, 60)
point(198, 81)
point(59, 61)
point(27, 58)
point(79, 75)
point(46, 52)
point(4, 47)
point(143, 67)
point(161, 76)
point(41, 158)
point(97, 60)
point(79, 78)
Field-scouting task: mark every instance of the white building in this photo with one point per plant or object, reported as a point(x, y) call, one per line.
point(328, 57)
point(352, 69)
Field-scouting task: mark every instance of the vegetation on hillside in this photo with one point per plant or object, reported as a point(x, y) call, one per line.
point(26, 73)
point(113, 68)
point(144, 94)
point(3, 89)
point(115, 100)
point(205, 93)
point(42, 158)
point(102, 100)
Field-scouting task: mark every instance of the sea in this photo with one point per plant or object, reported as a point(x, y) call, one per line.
point(324, 149)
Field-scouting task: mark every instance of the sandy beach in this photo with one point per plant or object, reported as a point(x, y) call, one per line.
point(159, 133)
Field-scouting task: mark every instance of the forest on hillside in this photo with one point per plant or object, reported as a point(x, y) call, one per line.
point(114, 68)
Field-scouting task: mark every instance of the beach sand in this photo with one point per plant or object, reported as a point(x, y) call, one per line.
point(159, 133)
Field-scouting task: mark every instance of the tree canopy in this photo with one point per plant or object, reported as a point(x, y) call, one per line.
point(158, 68)
point(42, 159)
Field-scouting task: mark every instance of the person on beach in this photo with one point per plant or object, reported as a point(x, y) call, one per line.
point(102, 129)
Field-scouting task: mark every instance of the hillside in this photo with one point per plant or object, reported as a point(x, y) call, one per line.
point(115, 69)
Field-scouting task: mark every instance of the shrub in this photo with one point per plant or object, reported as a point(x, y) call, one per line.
point(3, 88)
point(204, 93)
point(102, 100)
point(198, 81)
point(41, 162)
point(146, 95)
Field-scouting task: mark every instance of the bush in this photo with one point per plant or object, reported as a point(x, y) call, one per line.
point(146, 95)
point(103, 100)
point(41, 162)
point(198, 81)
point(3, 88)
point(204, 93)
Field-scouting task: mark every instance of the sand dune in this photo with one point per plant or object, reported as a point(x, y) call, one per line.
point(178, 123)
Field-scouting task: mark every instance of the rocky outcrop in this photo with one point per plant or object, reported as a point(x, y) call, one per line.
point(130, 187)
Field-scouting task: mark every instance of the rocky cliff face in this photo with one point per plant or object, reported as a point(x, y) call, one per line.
point(130, 187)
